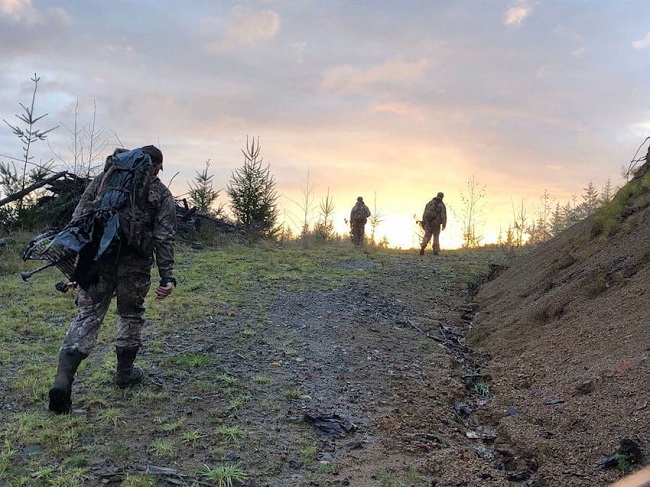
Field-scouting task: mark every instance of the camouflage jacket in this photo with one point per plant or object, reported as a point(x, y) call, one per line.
point(160, 222)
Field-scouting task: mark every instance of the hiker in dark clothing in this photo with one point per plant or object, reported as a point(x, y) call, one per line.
point(434, 219)
point(358, 218)
point(126, 274)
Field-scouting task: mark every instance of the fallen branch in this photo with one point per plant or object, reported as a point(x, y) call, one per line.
point(31, 187)
point(426, 334)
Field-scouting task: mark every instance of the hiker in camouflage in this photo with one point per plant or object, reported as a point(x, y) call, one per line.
point(128, 277)
point(434, 219)
point(358, 218)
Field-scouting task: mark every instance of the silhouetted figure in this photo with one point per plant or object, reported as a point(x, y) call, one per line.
point(434, 219)
point(358, 218)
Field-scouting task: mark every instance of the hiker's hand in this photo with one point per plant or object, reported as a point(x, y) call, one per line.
point(163, 291)
point(443, 227)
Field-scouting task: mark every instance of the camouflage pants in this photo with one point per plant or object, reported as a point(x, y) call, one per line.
point(431, 229)
point(129, 283)
point(358, 231)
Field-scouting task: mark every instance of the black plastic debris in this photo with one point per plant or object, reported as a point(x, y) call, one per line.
point(463, 410)
point(628, 451)
point(330, 424)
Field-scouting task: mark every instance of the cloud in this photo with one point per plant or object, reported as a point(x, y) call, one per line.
point(23, 12)
point(516, 14)
point(402, 110)
point(246, 28)
point(119, 46)
point(578, 52)
point(18, 11)
point(350, 80)
point(299, 49)
point(642, 43)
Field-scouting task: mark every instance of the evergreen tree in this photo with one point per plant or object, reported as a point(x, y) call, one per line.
point(590, 201)
point(607, 192)
point(375, 219)
point(202, 194)
point(540, 230)
point(558, 223)
point(252, 193)
point(520, 223)
point(570, 214)
point(325, 225)
point(13, 178)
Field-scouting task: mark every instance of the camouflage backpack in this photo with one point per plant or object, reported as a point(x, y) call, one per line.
point(357, 214)
point(432, 211)
point(124, 191)
point(116, 217)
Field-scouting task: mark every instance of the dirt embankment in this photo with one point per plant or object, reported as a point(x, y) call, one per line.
point(568, 331)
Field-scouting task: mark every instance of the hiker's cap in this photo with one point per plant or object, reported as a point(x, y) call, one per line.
point(155, 154)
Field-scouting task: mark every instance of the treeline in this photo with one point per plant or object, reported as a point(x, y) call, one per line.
point(551, 218)
point(36, 195)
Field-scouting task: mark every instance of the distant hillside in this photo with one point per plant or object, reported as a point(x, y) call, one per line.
point(567, 327)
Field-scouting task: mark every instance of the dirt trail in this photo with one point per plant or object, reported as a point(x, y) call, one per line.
point(386, 355)
point(370, 356)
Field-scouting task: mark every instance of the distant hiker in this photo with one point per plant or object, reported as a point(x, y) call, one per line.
point(358, 218)
point(434, 219)
point(115, 259)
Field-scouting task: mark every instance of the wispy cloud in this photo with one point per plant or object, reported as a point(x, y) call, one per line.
point(350, 80)
point(579, 52)
point(19, 11)
point(245, 28)
point(402, 110)
point(23, 12)
point(642, 43)
point(516, 14)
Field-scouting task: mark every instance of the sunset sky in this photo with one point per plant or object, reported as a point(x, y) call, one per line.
point(389, 100)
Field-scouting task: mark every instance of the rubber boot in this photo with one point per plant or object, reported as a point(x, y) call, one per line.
point(127, 374)
point(61, 390)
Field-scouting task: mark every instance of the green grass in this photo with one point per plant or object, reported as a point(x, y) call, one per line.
point(113, 415)
point(192, 359)
point(232, 432)
point(193, 437)
point(411, 477)
point(482, 388)
point(608, 219)
point(162, 447)
point(224, 475)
